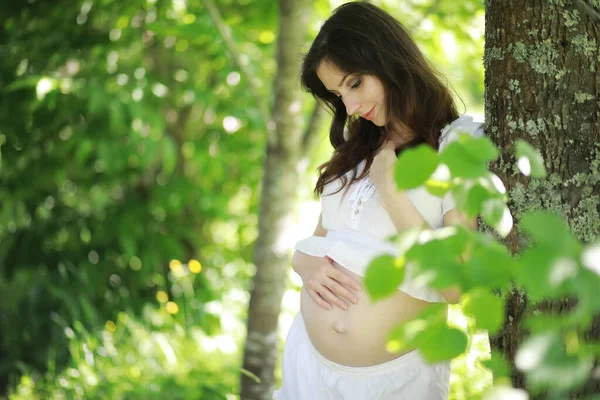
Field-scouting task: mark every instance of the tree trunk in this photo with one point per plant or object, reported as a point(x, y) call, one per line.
point(541, 63)
point(271, 257)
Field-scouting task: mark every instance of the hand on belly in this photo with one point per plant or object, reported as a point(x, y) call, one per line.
point(357, 336)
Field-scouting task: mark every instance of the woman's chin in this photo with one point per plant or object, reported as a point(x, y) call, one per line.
point(378, 121)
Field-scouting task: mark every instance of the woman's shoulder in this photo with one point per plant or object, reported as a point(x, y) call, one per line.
point(463, 124)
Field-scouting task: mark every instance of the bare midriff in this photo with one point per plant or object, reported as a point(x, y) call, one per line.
point(357, 336)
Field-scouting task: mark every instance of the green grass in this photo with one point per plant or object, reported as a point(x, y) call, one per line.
point(132, 359)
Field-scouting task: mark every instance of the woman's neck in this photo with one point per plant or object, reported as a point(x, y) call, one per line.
point(399, 133)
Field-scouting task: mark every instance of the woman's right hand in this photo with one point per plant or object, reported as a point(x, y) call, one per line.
point(326, 284)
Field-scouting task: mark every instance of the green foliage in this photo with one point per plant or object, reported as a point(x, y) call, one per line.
point(557, 357)
point(466, 157)
point(414, 166)
point(547, 267)
point(489, 265)
point(529, 160)
point(151, 358)
point(549, 365)
point(498, 365)
point(487, 309)
point(426, 332)
point(119, 125)
point(384, 276)
point(116, 159)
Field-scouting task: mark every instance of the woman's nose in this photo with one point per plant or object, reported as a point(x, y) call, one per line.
point(352, 105)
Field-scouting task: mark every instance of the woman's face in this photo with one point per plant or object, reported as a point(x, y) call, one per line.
point(363, 95)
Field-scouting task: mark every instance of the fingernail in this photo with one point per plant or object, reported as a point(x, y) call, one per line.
point(354, 301)
point(345, 307)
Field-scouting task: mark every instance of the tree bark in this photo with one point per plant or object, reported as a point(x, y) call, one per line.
point(277, 203)
point(542, 85)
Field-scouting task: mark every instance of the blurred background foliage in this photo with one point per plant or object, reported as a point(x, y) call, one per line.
point(132, 150)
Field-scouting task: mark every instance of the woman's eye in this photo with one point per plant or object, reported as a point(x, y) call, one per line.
point(356, 84)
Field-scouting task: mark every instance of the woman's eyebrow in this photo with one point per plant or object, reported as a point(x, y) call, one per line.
point(341, 82)
point(343, 79)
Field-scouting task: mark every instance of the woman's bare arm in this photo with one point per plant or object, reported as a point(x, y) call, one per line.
point(325, 284)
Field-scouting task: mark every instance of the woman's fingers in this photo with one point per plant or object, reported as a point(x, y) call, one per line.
point(344, 279)
point(332, 298)
point(341, 291)
point(319, 300)
point(329, 286)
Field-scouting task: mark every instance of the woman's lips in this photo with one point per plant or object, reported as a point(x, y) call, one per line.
point(370, 114)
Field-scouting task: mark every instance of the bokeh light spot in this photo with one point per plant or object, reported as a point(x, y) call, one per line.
point(110, 326)
point(233, 78)
point(266, 37)
point(162, 297)
point(195, 266)
point(231, 124)
point(135, 263)
point(172, 308)
point(174, 265)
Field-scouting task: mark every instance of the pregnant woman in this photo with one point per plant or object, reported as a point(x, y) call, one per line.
point(385, 98)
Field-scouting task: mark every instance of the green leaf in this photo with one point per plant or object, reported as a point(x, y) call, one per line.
point(550, 229)
point(496, 213)
point(383, 276)
point(414, 166)
point(437, 188)
point(461, 163)
point(543, 357)
point(413, 333)
point(532, 269)
point(586, 285)
point(476, 196)
point(497, 364)
point(529, 160)
point(490, 264)
point(443, 343)
point(544, 322)
point(481, 148)
point(437, 261)
point(487, 309)
point(543, 271)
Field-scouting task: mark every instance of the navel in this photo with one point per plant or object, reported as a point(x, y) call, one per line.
point(339, 327)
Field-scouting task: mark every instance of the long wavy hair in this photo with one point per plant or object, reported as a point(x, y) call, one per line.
point(360, 38)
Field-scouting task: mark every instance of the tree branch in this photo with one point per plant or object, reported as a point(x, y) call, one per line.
point(236, 55)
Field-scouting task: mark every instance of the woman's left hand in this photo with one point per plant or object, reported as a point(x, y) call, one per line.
point(381, 172)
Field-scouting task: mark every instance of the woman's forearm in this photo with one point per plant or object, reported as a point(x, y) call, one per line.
point(302, 262)
point(403, 213)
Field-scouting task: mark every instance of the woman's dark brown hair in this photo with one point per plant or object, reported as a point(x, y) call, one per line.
point(360, 38)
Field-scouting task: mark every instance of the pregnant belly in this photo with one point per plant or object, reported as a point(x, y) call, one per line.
point(357, 336)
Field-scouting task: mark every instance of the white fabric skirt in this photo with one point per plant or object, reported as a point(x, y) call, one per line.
point(307, 375)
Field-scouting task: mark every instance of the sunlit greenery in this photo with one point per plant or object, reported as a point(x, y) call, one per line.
point(558, 356)
point(132, 136)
